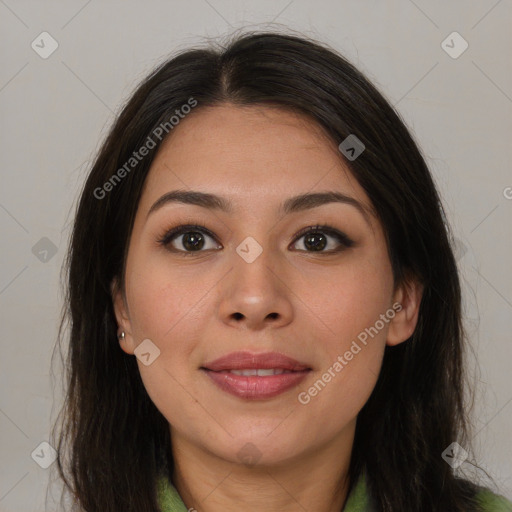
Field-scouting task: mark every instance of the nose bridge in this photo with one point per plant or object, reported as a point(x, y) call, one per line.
point(254, 293)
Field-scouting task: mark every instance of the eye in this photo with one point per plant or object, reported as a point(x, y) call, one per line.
point(193, 238)
point(316, 239)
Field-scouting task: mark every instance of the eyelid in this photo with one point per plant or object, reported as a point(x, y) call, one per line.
point(184, 228)
point(324, 228)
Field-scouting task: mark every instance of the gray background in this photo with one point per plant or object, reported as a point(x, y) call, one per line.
point(55, 111)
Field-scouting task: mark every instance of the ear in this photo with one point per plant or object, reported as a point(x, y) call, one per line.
point(122, 317)
point(402, 326)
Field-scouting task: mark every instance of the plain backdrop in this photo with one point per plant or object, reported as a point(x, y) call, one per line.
point(55, 111)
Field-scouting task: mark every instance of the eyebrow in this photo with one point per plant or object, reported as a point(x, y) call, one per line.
point(291, 205)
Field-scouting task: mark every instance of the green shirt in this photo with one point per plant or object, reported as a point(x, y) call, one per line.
point(357, 501)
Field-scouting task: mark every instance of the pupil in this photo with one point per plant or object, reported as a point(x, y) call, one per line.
point(193, 241)
point(312, 241)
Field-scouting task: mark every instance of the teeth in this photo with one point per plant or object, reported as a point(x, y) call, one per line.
point(260, 372)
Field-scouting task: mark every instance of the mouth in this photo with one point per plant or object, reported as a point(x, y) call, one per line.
point(255, 376)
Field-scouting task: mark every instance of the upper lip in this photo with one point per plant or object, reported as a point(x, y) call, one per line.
point(249, 360)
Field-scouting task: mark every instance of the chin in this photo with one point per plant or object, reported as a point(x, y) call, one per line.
point(258, 448)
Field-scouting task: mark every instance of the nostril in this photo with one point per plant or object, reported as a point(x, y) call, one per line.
point(238, 316)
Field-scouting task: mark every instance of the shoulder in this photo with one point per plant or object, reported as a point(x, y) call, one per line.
point(491, 502)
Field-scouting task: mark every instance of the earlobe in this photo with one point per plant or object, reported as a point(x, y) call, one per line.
point(122, 317)
point(402, 326)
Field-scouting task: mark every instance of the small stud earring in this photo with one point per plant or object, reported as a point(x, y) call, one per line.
point(121, 335)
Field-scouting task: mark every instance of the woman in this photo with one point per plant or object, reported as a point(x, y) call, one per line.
point(261, 232)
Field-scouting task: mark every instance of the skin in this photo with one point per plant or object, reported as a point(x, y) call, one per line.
point(257, 157)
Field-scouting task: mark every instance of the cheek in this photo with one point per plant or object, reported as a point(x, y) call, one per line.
point(339, 398)
point(165, 302)
point(346, 305)
point(166, 307)
point(348, 300)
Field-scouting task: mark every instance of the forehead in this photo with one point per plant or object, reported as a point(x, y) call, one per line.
point(249, 155)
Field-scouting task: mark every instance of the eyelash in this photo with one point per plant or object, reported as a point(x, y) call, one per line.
point(342, 238)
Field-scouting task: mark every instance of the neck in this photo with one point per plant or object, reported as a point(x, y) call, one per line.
point(317, 480)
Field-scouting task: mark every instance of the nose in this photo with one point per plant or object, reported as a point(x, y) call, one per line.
point(255, 295)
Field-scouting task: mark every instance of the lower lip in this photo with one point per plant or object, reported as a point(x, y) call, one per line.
point(254, 387)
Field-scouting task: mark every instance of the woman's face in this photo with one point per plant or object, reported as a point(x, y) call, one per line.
point(251, 284)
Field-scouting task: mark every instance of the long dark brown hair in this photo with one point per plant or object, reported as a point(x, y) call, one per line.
point(111, 440)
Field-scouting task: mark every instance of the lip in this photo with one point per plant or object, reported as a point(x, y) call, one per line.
point(250, 360)
point(255, 387)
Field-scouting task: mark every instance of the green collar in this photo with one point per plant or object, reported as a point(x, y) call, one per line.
point(170, 501)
